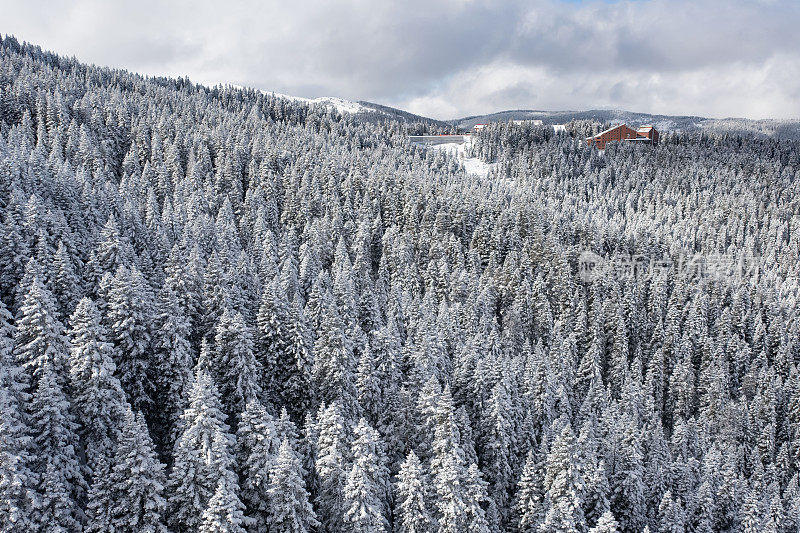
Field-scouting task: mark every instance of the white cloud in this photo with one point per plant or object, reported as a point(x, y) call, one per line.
point(452, 57)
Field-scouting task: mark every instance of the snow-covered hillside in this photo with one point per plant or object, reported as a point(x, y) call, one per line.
point(340, 104)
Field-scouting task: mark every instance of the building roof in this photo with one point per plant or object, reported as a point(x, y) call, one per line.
point(609, 129)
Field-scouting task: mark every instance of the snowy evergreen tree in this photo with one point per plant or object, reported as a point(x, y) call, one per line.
point(606, 524)
point(55, 462)
point(234, 366)
point(16, 480)
point(137, 481)
point(563, 511)
point(225, 512)
point(97, 394)
point(296, 386)
point(332, 460)
point(334, 361)
point(365, 492)
point(172, 369)
point(99, 498)
point(529, 499)
point(39, 339)
point(411, 495)
point(196, 470)
point(273, 336)
point(129, 309)
point(257, 443)
point(449, 470)
point(289, 508)
point(671, 515)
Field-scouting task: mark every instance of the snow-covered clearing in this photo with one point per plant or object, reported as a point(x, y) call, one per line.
point(472, 165)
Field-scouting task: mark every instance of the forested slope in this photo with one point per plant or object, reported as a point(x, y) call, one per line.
point(226, 311)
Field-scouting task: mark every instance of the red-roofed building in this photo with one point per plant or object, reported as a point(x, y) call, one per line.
point(646, 134)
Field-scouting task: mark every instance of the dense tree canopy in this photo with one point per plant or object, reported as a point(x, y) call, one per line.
point(221, 310)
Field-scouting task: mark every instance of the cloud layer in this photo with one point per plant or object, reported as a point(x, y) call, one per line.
point(450, 58)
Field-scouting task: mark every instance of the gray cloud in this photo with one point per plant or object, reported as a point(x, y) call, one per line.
point(449, 58)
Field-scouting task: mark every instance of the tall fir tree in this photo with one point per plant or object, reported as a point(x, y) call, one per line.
point(137, 481)
point(225, 512)
point(195, 471)
point(172, 366)
point(334, 361)
point(235, 367)
point(412, 494)
point(60, 476)
point(606, 524)
point(529, 498)
point(17, 497)
point(289, 508)
point(365, 493)
point(17, 481)
point(99, 400)
point(272, 337)
point(257, 448)
point(562, 484)
point(331, 465)
point(39, 339)
point(99, 498)
point(129, 308)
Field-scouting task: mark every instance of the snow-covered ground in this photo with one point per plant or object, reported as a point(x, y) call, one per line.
point(472, 165)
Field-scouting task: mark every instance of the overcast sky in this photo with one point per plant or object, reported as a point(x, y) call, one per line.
point(450, 58)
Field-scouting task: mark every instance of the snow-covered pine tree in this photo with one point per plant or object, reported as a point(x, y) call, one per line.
point(225, 512)
point(476, 498)
point(17, 482)
point(272, 337)
point(334, 361)
point(332, 463)
point(671, 515)
point(99, 498)
point(65, 282)
point(172, 366)
point(129, 309)
point(449, 470)
point(39, 339)
point(606, 524)
point(289, 509)
point(234, 366)
point(113, 250)
point(297, 393)
point(529, 498)
point(195, 471)
point(54, 457)
point(137, 481)
point(562, 485)
point(498, 449)
point(257, 448)
point(365, 493)
point(412, 493)
point(98, 397)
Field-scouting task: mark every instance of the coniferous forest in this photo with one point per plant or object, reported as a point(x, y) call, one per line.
point(224, 311)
